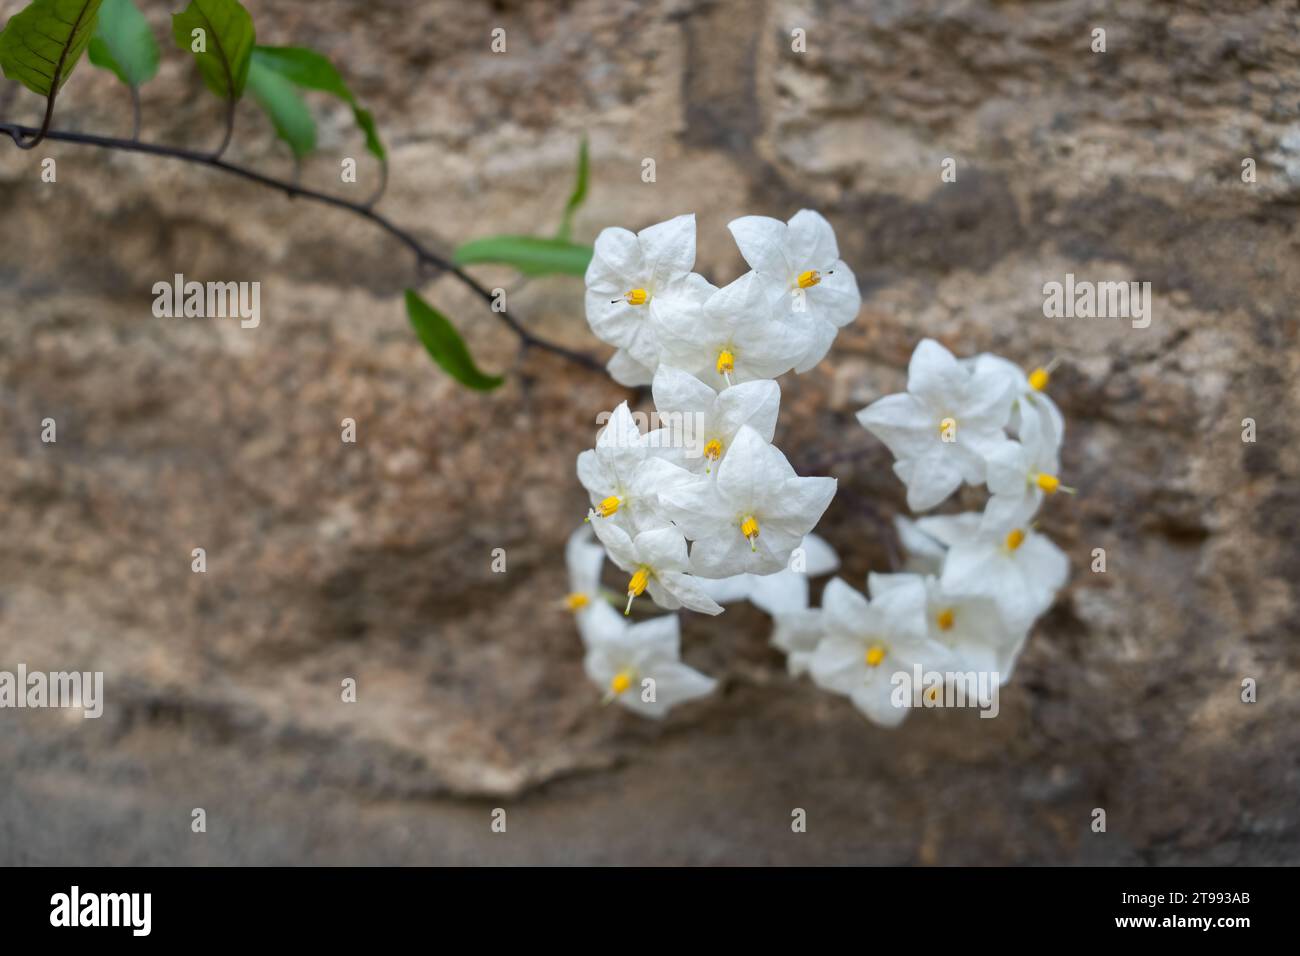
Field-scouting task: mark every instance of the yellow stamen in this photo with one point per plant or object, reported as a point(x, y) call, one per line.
point(636, 587)
point(809, 279)
point(875, 654)
point(749, 528)
point(945, 619)
point(713, 450)
point(1048, 483)
point(576, 601)
point(726, 362)
point(948, 430)
point(609, 506)
point(637, 297)
point(1039, 378)
point(933, 694)
point(621, 682)
point(1015, 539)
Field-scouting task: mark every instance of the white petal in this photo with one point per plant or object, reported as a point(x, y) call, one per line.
point(781, 593)
point(669, 249)
point(810, 241)
point(663, 549)
point(751, 471)
point(616, 260)
point(761, 240)
point(684, 588)
point(755, 404)
point(934, 376)
point(628, 371)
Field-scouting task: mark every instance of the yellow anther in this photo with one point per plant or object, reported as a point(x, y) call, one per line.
point(945, 619)
point(875, 654)
point(809, 279)
point(933, 694)
point(636, 587)
point(948, 430)
point(1048, 483)
point(609, 506)
point(621, 682)
point(749, 528)
point(713, 450)
point(1039, 378)
point(576, 601)
point(1015, 539)
point(637, 297)
point(726, 362)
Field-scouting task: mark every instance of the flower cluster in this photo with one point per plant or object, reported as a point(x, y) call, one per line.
point(974, 583)
point(700, 508)
point(697, 507)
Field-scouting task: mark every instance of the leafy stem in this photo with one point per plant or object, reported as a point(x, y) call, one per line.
point(428, 262)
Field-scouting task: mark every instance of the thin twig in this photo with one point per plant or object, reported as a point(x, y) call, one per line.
point(427, 261)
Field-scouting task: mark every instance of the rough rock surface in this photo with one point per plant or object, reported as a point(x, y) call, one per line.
point(373, 560)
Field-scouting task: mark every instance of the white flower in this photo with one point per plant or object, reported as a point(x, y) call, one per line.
point(866, 643)
point(703, 423)
point(1021, 570)
point(1021, 472)
point(625, 471)
point(737, 338)
point(753, 515)
point(584, 559)
point(943, 428)
point(803, 276)
point(635, 279)
point(658, 563)
point(638, 665)
point(971, 627)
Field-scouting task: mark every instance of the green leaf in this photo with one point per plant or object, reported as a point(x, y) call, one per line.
point(531, 255)
point(445, 344)
point(124, 43)
point(313, 71)
point(228, 38)
point(41, 44)
point(579, 192)
point(289, 114)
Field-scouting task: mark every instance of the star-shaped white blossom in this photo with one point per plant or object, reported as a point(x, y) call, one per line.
point(753, 515)
point(639, 665)
point(737, 338)
point(584, 560)
point(658, 563)
point(971, 627)
point(1021, 472)
point(799, 266)
point(702, 423)
point(1020, 569)
point(625, 472)
point(633, 282)
point(944, 427)
point(867, 642)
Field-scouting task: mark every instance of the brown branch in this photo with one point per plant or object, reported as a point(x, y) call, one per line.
point(427, 261)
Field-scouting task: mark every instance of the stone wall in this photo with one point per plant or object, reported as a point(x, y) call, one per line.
point(328, 560)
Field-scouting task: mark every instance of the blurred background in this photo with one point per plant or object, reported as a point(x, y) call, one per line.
point(373, 561)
